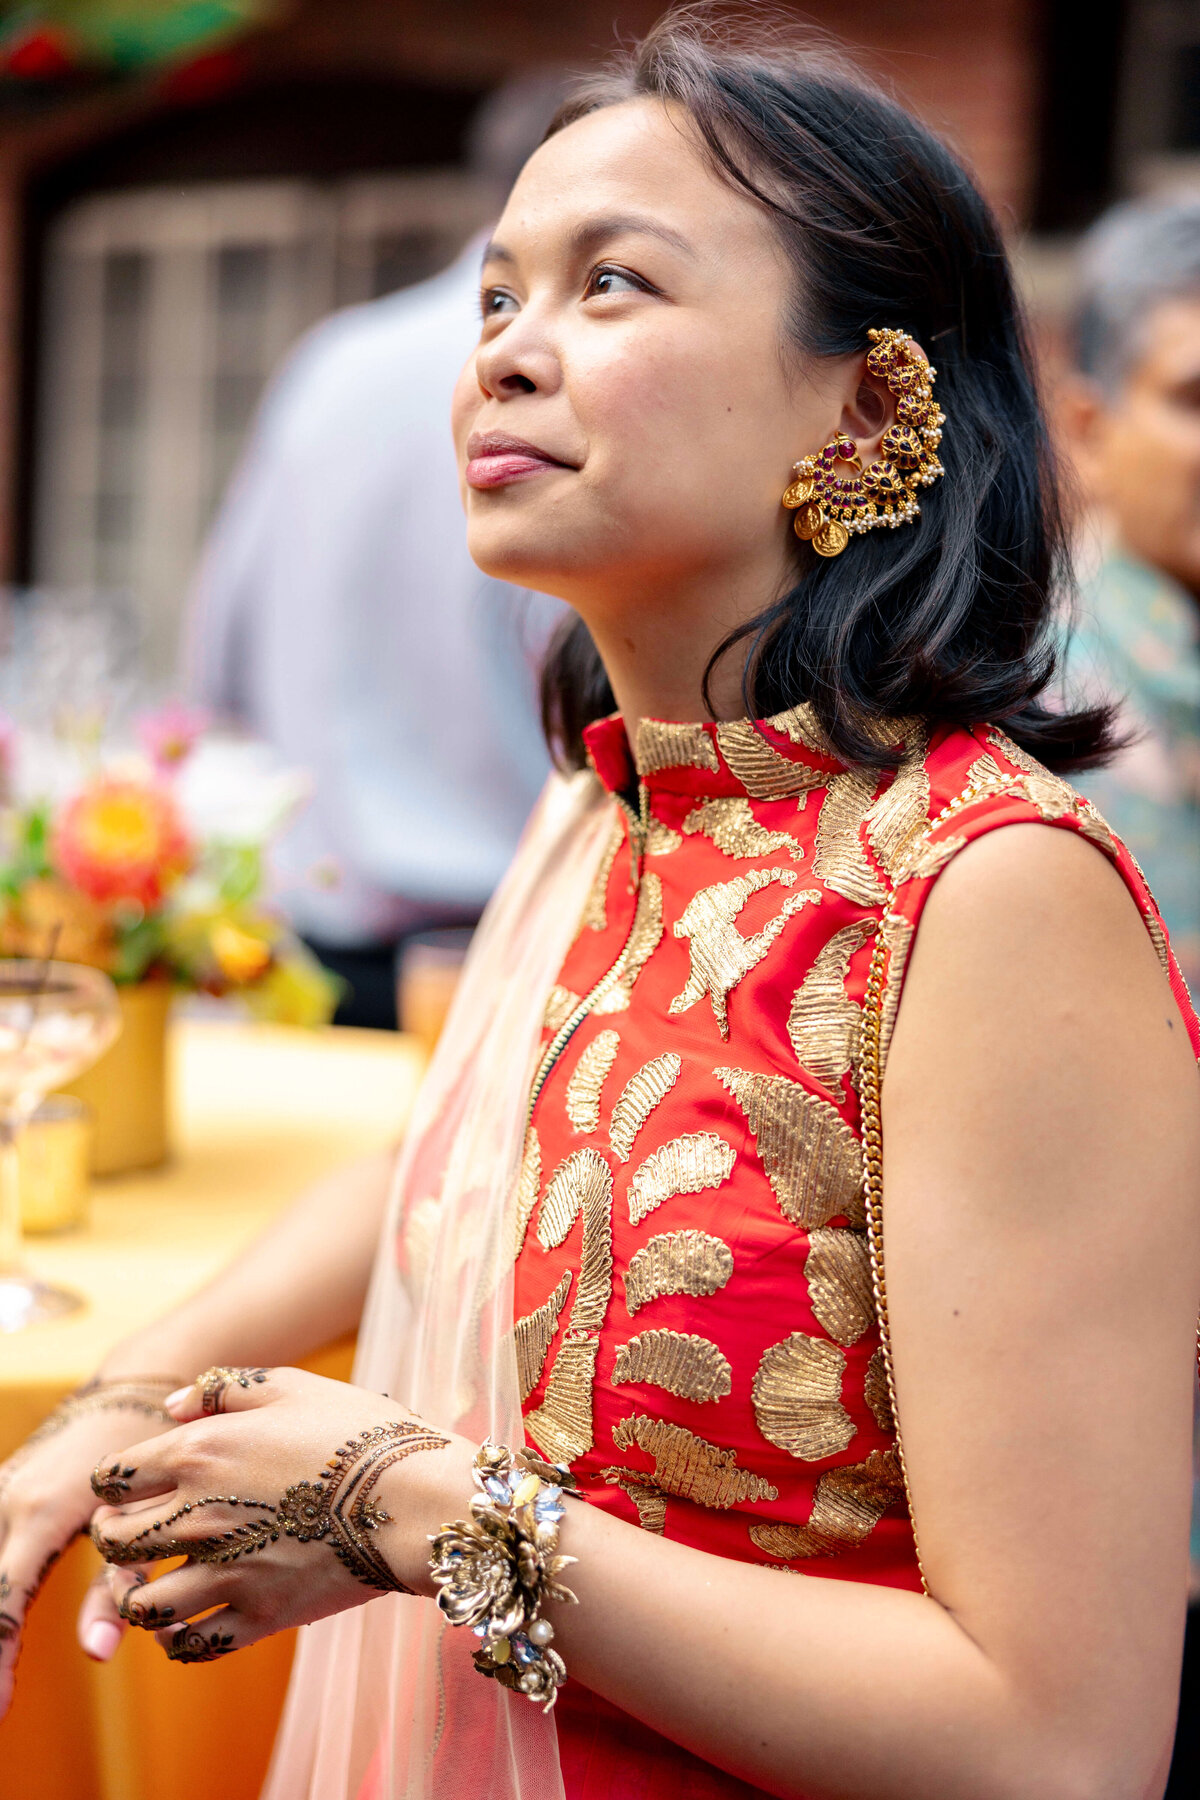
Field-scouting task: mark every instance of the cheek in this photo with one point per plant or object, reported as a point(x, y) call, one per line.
point(464, 406)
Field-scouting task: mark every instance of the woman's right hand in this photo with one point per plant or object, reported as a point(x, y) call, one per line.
point(46, 1499)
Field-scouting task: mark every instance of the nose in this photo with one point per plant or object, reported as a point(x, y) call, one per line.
point(520, 359)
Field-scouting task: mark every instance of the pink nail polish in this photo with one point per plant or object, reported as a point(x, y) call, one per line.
point(101, 1639)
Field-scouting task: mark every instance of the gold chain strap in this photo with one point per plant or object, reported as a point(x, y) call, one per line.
point(871, 1077)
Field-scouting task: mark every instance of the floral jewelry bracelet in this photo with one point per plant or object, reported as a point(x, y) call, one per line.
point(495, 1571)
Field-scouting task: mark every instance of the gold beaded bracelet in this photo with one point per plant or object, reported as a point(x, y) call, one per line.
point(495, 1571)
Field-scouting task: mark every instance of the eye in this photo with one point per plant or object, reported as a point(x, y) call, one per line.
point(606, 278)
point(495, 302)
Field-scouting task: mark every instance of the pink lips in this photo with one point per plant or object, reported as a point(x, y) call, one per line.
point(497, 460)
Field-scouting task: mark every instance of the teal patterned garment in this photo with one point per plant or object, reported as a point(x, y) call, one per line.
point(1137, 640)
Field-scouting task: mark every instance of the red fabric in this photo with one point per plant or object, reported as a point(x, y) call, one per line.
point(767, 1299)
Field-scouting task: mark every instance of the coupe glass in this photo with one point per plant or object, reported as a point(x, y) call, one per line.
point(56, 1019)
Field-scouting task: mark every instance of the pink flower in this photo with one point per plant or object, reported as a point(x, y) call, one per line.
point(168, 734)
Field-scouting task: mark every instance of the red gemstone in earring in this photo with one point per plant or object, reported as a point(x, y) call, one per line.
point(848, 449)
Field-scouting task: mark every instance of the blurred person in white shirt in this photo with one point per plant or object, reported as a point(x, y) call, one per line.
point(338, 617)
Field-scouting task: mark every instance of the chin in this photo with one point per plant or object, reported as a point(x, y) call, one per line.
point(509, 550)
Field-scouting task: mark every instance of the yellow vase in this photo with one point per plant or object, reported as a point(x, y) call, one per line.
point(127, 1089)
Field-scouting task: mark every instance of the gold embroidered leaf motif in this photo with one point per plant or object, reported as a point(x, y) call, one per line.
point(812, 1159)
point(800, 723)
point(533, 1334)
point(528, 1187)
point(660, 839)
point(720, 955)
point(897, 933)
point(1053, 797)
point(840, 860)
point(651, 1504)
point(1094, 825)
point(689, 1466)
point(823, 1023)
point(1158, 938)
point(677, 1262)
point(661, 745)
point(687, 1165)
point(560, 1004)
point(901, 813)
point(877, 1393)
point(764, 772)
point(644, 939)
point(582, 1178)
point(591, 1072)
point(595, 912)
point(562, 1426)
point(838, 1272)
point(688, 1366)
point(847, 1506)
point(983, 770)
point(797, 1396)
point(638, 1099)
point(732, 827)
point(929, 858)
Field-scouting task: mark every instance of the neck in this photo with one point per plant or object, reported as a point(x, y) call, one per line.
point(656, 644)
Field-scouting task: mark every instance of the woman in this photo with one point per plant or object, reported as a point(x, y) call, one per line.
point(721, 278)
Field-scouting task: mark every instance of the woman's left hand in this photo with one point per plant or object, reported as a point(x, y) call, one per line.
point(291, 1496)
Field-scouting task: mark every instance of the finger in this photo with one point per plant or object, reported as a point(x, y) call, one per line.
point(218, 1390)
point(23, 1568)
point(170, 1599)
point(99, 1627)
point(216, 1636)
point(214, 1529)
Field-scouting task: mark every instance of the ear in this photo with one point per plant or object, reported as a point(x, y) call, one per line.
point(870, 406)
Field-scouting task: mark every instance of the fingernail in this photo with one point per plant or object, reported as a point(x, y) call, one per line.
point(101, 1639)
point(178, 1397)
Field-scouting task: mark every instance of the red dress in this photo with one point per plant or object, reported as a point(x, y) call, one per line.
point(696, 1332)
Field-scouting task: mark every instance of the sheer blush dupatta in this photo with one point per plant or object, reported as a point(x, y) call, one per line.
point(384, 1701)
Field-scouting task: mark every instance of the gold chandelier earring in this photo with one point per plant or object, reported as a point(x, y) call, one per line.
point(832, 496)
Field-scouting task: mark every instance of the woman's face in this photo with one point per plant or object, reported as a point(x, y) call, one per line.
point(630, 418)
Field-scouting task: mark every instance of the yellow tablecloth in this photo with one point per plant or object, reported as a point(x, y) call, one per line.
point(260, 1111)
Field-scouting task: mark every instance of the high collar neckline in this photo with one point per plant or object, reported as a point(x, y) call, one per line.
point(763, 759)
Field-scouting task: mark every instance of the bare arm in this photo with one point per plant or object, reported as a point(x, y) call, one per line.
point(1042, 1131)
point(297, 1287)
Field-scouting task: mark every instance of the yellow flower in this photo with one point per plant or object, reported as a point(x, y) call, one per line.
point(239, 956)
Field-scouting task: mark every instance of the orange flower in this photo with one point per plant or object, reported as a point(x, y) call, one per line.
point(122, 840)
point(240, 956)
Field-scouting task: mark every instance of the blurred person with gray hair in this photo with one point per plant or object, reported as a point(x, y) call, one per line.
point(338, 617)
point(1131, 415)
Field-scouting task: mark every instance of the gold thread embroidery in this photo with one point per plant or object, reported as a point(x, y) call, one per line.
point(1094, 825)
point(660, 839)
point(691, 1367)
point(1158, 938)
point(901, 813)
point(651, 1504)
point(689, 1466)
point(533, 1334)
point(661, 745)
point(840, 860)
point(929, 858)
point(590, 1074)
point(983, 770)
point(581, 1178)
point(644, 938)
point(638, 1099)
point(764, 772)
point(595, 912)
point(877, 1394)
point(896, 934)
point(800, 723)
point(838, 1272)
point(687, 1165)
point(560, 1004)
point(812, 1159)
point(1053, 797)
point(677, 1262)
point(847, 1506)
point(562, 1426)
point(733, 828)
point(720, 955)
point(824, 1022)
point(797, 1396)
point(529, 1186)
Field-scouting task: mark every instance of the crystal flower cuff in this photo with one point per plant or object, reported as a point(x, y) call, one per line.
point(495, 1571)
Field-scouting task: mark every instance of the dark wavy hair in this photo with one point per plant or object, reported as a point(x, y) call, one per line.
point(950, 619)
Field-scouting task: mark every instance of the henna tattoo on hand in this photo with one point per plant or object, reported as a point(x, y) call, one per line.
point(10, 1627)
point(213, 1382)
point(143, 1613)
point(190, 1645)
point(111, 1485)
point(219, 1547)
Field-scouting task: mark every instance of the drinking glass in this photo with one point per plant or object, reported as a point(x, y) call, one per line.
point(56, 1019)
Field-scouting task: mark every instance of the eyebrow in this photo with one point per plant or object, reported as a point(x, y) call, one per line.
point(592, 232)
